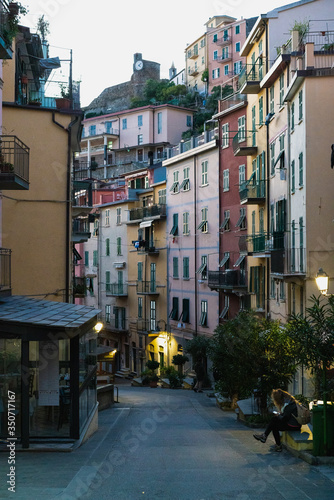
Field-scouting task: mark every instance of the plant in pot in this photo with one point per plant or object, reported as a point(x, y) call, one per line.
point(5, 166)
point(64, 102)
point(153, 365)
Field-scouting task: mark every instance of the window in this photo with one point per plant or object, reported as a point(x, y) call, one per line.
point(203, 226)
point(189, 121)
point(237, 29)
point(139, 271)
point(140, 307)
point(147, 182)
point(282, 290)
point(300, 105)
point(261, 110)
point(301, 244)
point(242, 175)
point(272, 288)
point(92, 130)
point(124, 124)
point(242, 129)
point(118, 216)
point(224, 313)
point(185, 217)
point(293, 245)
point(225, 53)
point(175, 267)
point(225, 260)
point(86, 258)
point(107, 247)
point(272, 158)
point(159, 123)
point(185, 268)
point(140, 139)
point(226, 222)
point(162, 197)
point(175, 186)
point(204, 177)
point(215, 73)
point(226, 69)
point(107, 217)
point(108, 287)
point(293, 116)
point(107, 313)
point(119, 246)
point(261, 220)
point(204, 313)
point(153, 315)
point(175, 309)
point(237, 47)
point(96, 227)
point(237, 66)
point(215, 55)
point(253, 126)
point(203, 42)
point(272, 100)
point(140, 120)
point(226, 180)
point(280, 215)
point(242, 219)
point(95, 258)
point(215, 37)
point(272, 218)
point(225, 35)
point(225, 135)
point(185, 311)
point(153, 276)
point(175, 229)
point(301, 170)
point(281, 89)
point(185, 184)
point(202, 270)
point(293, 176)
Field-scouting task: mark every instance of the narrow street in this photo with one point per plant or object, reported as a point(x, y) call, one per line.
point(177, 445)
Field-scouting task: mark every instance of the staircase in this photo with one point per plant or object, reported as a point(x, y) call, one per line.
point(125, 373)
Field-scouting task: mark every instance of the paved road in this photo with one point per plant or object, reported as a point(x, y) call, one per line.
point(177, 445)
point(169, 445)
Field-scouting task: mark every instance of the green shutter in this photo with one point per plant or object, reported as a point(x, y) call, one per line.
point(86, 259)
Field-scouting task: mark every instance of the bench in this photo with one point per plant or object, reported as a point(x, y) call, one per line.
point(299, 441)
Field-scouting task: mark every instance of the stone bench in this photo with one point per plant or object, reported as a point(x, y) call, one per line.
point(188, 383)
point(299, 440)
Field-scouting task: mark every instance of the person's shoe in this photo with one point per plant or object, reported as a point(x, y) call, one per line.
point(260, 437)
point(277, 448)
point(195, 389)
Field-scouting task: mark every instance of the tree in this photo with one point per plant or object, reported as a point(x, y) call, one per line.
point(197, 347)
point(42, 28)
point(179, 360)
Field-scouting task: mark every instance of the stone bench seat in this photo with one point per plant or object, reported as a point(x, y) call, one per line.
point(299, 440)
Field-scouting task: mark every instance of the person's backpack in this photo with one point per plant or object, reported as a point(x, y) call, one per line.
point(303, 414)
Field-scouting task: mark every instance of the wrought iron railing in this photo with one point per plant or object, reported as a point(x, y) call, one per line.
point(250, 73)
point(151, 211)
point(232, 278)
point(14, 156)
point(146, 287)
point(252, 191)
point(117, 289)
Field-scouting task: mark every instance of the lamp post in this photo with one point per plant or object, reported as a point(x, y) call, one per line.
point(322, 280)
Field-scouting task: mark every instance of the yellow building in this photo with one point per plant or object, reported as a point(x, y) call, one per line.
point(37, 224)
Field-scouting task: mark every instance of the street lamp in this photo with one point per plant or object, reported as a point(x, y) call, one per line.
point(321, 280)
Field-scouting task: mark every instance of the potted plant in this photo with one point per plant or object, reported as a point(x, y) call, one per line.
point(153, 365)
point(64, 102)
point(5, 166)
point(35, 102)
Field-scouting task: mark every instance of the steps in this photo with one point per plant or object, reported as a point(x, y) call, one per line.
point(125, 373)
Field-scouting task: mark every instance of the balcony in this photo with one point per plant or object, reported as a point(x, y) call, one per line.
point(117, 324)
point(295, 263)
point(252, 193)
point(144, 326)
point(80, 230)
point(79, 287)
point(244, 146)
point(250, 78)
point(117, 289)
point(231, 279)
point(5, 41)
point(259, 244)
point(5, 272)
point(147, 288)
point(152, 211)
point(224, 40)
point(82, 198)
point(192, 54)
point(14, 163)
point(224, 59)
point(231, 102)
point(193, 71)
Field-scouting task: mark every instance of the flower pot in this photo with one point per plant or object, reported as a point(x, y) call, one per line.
point(153, 383)
point(63, 103)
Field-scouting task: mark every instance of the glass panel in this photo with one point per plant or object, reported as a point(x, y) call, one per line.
point(10, 382)
point(87, 376)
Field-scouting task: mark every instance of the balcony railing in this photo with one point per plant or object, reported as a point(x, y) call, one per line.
point(5, 41)
point(144, 325)
point(119, 324)
point(79, 286)
point(140, 213)
point(14, 163)
point(231, 102)
point(244, 145)
point(295, 261)
point(80, 230)
point(117, 289)
point(5, 270)
point(253, 193)
point(147, 288)
point(258, 243)
point(224, 40)
point(250, 78)
point(232, 278)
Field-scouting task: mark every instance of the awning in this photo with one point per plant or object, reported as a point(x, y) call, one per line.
point(76, 254)
point(280, 157)
point(201, 269)
point(239, 260)
point(50, 63)
point(146, 223)
point(225, 259)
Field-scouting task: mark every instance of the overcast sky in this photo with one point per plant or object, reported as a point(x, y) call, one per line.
point(105, 34)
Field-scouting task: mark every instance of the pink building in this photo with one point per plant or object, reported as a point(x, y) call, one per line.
point(225, 37)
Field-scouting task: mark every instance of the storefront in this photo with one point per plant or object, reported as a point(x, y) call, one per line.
point(47, 369)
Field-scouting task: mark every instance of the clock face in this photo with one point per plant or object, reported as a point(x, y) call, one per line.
point(139, 65)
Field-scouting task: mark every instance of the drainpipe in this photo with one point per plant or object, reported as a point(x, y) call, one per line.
point(68, 204)
point(195, 243)
point(268, 176)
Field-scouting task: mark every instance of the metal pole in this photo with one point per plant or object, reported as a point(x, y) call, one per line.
point(325, 407)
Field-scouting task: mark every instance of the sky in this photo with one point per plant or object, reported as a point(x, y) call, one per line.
point(104, 35)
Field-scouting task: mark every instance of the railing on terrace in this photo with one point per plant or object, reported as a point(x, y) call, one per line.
point(252, 191)
point(295, 261)
point(151, 211)
point(80, 226)
point(193, 142)
point(5, 269)
point(79, 286)
point(146, 287)
point(117, 324)
point(14, 156)
point(250, 73)
point(117, 289)
point(224, 40)
point(232, 278)
point(231, 102)
point(98, 131)
point(258, 242)
point(144, 325)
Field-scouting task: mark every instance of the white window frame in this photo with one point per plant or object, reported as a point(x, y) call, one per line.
point(242, 128)
point(204, 175)
point(225, 135)
point(185, 223)
point(118, 216)
point(107, 217)
point(226, 180)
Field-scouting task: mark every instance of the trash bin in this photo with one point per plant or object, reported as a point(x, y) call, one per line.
point(318, 430)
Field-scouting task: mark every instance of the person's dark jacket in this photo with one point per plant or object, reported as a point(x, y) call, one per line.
point(287, 416)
